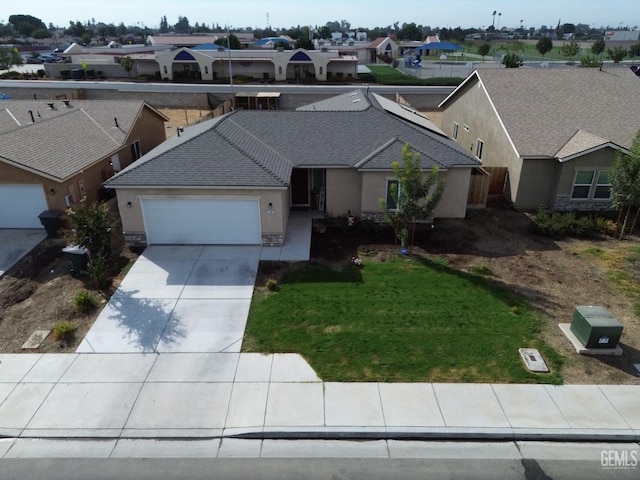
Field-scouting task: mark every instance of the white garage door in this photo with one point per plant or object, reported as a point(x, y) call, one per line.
point(201, 221)
point(20, 206)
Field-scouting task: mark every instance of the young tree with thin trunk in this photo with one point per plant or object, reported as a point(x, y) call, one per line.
point(544, 46)
point(624, 177)
point(598, 47)
point(484, 49)
point(415, 195)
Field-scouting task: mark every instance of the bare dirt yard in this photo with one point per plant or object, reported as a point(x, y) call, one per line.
point(555, 276)
point(182, 117)
point(37, 293)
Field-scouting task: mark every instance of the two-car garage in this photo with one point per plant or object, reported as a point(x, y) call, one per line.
point(201, 221)
point(20, 205)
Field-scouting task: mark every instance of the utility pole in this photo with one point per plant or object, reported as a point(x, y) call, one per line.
point(229, 56)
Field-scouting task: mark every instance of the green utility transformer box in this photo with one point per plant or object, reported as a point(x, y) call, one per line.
point(596, 327)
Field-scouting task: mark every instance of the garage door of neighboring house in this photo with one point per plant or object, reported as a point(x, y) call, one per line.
point(20, 206)
point(202, 221)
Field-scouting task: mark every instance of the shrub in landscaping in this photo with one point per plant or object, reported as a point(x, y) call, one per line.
point(272, 285)
point(84, 302)
point(64, 331)
point(606, 226)
point(562, 224)
point(481, 270)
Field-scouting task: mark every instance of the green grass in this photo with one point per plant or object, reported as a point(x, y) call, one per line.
point(623, 269)
point(387, 75)
point(531, 54)
point(401, 320)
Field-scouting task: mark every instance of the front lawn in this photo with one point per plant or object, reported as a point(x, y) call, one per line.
point(400, 320)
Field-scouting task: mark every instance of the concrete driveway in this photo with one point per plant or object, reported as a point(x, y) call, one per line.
point(179, 299)
point(15, 243)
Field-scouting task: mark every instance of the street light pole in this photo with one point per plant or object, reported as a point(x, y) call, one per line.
point(229, 56)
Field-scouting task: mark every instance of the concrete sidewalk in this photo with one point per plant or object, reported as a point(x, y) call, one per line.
point(226, 395)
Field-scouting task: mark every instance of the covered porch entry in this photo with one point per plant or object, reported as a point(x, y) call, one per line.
point(308, 189)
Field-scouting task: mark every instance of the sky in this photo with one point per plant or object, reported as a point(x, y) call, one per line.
point(359, 13)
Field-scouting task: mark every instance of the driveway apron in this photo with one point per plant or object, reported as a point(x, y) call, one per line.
point(179, 299)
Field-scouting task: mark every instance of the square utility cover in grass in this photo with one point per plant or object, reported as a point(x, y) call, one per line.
point(404, 319)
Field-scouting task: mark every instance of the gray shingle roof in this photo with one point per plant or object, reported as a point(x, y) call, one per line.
point(63, 140)
point(352, 102)
point(543, 108)
point(259, 148)
point(580, 142)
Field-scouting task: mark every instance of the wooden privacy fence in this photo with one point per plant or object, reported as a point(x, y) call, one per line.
point(485, 182)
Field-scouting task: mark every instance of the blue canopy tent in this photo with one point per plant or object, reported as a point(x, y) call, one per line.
point(440, 46)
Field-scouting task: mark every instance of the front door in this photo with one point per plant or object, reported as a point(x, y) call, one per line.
point(300, 187)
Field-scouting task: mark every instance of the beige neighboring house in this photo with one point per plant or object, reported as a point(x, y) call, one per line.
point(557, 131)
point(54, 152)
point(235, 178)
point(278, 65)
point(384, 46)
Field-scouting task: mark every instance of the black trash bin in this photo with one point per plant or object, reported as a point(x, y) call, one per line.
point(79, 258)
point(51, 220)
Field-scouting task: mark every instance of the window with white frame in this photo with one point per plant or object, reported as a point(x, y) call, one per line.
point(455, 131)
point(591, 185)
point(393, 193)
point(479, 148)
point(135, 150)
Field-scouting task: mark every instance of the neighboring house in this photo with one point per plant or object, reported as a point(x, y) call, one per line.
point(278, 65)
point(556, 131)
point(234, 179)
point(382, 46)
point(54, 152)
point(271, 42)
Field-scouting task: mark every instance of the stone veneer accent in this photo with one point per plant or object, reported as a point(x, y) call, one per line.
point(139, 239)
point(565, 204)
point(272, 239)
point(135, 239)
point(377, 217)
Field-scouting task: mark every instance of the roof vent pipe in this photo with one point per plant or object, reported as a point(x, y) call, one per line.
point(115, 119)
point(50, 105)
point(33, 120)
point(66, 103)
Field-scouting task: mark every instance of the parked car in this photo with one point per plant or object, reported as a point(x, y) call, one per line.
point(33, 60)
point(49, 58)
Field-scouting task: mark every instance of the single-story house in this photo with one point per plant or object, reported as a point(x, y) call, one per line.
point(54, 152)
point(556, 131)
point(235, 178)
point(278, 65)
point(383, 46)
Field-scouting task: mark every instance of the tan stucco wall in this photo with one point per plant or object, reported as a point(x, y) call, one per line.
point(538, 179)
point(454, 198)
point(151, 132)
point(132, 221)
point(343, 191)
point(472, 108)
